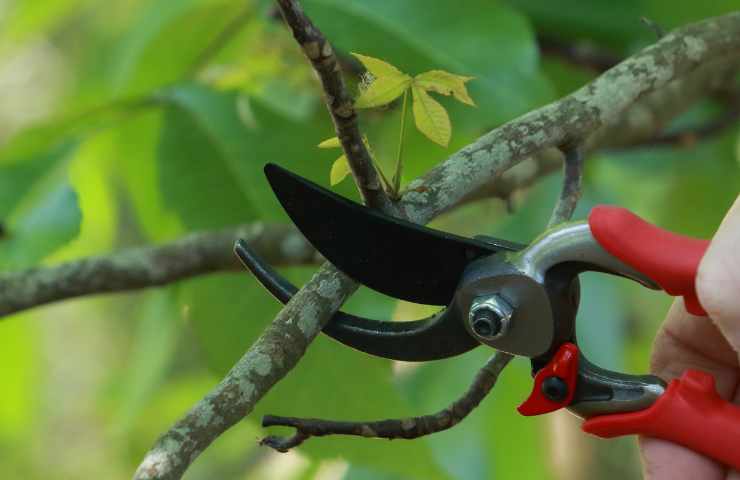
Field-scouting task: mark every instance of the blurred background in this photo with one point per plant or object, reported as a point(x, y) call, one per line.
point(133, 122)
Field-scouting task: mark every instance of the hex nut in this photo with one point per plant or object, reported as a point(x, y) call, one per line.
point(490, 317)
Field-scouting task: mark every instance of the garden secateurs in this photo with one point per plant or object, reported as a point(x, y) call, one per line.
point(520, 299)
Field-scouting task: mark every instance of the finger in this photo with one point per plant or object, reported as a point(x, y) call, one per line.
point(718, 277)
point(662, 460)
point(685, 342)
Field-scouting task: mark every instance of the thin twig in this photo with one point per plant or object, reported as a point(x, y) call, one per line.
point(571, 190)
point(141, 267)
point(399, 157)
point(654, 26)
point(321, 55)
point(406, 428)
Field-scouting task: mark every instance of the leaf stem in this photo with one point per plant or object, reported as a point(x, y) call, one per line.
point(399, 163)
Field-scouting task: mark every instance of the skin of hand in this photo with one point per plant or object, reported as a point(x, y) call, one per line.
point(709, 344)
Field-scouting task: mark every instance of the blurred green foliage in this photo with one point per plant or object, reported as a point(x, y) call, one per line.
point(163, 115)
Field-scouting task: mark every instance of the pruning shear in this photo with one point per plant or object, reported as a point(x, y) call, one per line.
point(520, 299)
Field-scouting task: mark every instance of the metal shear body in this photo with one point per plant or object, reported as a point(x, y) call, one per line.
point(514, 298)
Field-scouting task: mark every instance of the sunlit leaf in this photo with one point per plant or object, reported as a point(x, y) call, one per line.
point(339, 170)
point(332, 142)
point(383, 90)
point(26, 19)
point(495, 43)
point(378, 68)
point(445, 83)
point(21, 362)
point(145, 58)
point(431, 117)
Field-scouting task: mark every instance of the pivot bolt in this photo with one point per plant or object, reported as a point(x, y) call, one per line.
point(555, 389)
point(490, 317)
point(486, 323)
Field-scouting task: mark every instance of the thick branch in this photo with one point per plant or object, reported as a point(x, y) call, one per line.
point(599, 105)
point(596, 106)
point(406, 428)
point(523, 175)
point(195, 254)
point(318, 50)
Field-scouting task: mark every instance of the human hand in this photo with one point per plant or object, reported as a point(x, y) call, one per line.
point(712, 345)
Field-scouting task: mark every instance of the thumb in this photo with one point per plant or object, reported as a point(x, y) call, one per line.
point(718, 278)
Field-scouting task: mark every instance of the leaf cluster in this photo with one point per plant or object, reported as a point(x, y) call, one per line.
point(382, 84)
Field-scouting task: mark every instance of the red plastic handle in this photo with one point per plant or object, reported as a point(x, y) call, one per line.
point(690, 413)
point(669, 259)
point(563, 366)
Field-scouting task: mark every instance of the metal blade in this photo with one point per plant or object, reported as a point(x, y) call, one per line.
point(433, 338)
point(392, 256)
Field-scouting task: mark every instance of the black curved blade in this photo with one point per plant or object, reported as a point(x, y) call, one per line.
point(434, 338)
point(394, 257)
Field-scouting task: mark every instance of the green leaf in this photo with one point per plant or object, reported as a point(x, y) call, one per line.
point(135, 165)
point(339, 170)
point(18, 176)
point(21, 365)
point(675, 14)
point(445, 83)
point(378, 68)
point(37, 206)
point(488, 40)
point(201, 144)
point(603, 21)
point(213, 148)
point(387, 84)
point(332, 142)
point(153, 348)
point(431, 117)
point(382, 91)
point(26, 19)
point(39, 228)
point(166, 40)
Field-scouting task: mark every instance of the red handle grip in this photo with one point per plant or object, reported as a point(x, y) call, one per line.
point(670, 260)
point(690, 413)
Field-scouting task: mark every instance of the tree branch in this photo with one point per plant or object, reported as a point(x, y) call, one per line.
point(341, 106)
point(407, 428)
point(571, 191)
point(523, 175)
point(590, 110)
point(599, 105)
point(142, 267)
